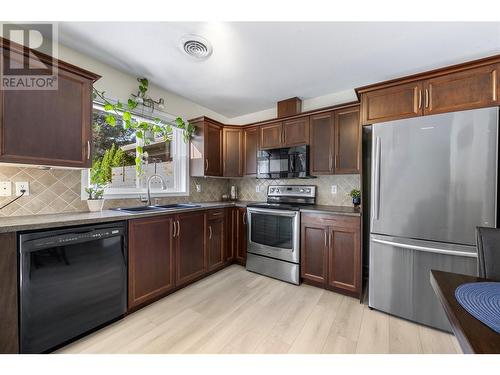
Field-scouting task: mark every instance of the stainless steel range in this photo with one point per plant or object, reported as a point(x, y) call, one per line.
point(274, 231)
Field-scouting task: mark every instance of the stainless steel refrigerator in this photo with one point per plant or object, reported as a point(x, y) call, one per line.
point(433, 180)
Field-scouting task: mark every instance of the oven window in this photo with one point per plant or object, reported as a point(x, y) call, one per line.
point(272, 230)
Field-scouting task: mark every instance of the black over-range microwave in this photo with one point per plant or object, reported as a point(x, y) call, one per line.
point(289, 162)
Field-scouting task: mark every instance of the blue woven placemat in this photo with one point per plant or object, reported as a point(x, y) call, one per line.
point(481, 300)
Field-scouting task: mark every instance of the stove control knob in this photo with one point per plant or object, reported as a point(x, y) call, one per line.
point(308, 191)
point(277, 190)
point(272, 190)
point(301, 190)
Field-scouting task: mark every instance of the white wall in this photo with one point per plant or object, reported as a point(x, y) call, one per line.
point(307, 105)
point(119, 85)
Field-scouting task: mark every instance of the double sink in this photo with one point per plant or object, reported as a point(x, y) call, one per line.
point(165, 207)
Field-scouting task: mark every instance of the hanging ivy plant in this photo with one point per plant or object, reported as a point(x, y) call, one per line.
point(157, 126)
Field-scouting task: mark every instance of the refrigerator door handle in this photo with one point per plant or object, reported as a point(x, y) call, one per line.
point(376, 187)
point(425, 248)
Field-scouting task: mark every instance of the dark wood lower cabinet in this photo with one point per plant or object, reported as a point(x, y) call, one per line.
point(331, 252)
point(241, 235)
point(9, 339)
point(151, 259)
point(216, 239)
point(344, 260)
point(190, 247)
point(314, 251)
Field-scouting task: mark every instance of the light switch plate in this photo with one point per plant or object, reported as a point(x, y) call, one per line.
point(334, 189)
point(24, 185)
point(198, 188)
point(257, 189)
point(5, 188)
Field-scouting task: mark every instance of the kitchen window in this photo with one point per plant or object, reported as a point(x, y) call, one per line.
point(115, 147)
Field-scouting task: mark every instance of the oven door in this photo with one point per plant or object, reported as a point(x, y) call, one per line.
point(274, 233)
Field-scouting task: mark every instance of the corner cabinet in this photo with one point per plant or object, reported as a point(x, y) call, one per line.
point(331, 252)
point(232, 152)
point(456, 88)
point(250, 147)
point(47, 127)
point(206, 148)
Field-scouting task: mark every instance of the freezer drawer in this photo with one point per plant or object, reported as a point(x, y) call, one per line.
point(400, 271)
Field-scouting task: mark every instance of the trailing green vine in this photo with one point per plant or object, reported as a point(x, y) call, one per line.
point(157, 126)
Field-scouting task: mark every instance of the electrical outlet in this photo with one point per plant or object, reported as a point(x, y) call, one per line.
point(334, 189)
point(257, 189)
point(5, 189)
point(198, 188)
point(22, 186)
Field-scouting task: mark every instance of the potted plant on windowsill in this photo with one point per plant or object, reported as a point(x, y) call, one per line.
point(95, 191)
point(356, 197)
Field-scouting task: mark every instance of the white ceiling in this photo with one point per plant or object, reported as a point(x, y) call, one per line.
point(253, 65)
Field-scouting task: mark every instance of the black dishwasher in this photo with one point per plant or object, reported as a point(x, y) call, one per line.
point(72, 281)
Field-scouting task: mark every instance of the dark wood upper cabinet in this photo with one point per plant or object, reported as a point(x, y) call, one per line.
point(459, 87)
point(216, 238)
point(393, 103)
point(296, 132)
point(271, 135)
point(250, 146)
point(151, 259)
point(347, 141)
point(314, 251)
point(331, 252)
point(286, 133)
point(213, 147)
point(322, 143)
point(233, 152)
point(474, 88)
point(48, 127)
point(206, 148)
point(190, 246)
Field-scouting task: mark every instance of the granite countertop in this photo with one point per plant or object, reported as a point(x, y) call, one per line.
point(33, 222)
point(342, 210)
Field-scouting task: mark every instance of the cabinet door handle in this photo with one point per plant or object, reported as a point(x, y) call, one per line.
point(419, 99)
point(330, 240)
point(325, 239)
point(245, 219)
point(335, 162)
point(88, 150)
point(427, 98)
point(206, 164)
point(173, 228)
point(210, 232)
point(178, 229)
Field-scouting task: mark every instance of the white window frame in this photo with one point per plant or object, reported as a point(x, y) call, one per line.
point(180, 156)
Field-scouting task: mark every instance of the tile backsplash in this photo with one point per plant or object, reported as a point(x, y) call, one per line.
point(345, 183)
point(58, 190)
point(51, 191)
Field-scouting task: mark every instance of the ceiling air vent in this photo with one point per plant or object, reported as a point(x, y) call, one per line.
point(196, 47)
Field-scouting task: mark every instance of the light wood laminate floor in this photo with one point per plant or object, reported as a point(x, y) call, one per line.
point(235, 311)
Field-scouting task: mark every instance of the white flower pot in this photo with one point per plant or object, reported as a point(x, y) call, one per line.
point(95, 204)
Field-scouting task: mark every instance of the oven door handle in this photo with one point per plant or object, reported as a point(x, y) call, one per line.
point(273, 211)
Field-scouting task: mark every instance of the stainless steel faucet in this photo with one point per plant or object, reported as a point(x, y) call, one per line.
point(151, 178)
